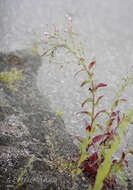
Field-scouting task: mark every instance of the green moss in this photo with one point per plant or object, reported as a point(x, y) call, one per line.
point(10, 77)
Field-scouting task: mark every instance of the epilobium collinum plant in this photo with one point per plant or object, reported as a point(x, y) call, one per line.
point(95, 158)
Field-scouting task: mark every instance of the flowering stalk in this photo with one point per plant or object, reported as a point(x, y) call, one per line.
point(107, 142)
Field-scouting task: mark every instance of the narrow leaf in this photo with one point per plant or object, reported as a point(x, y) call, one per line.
point(118, 120)
point(78, 72)
point(86, 112)
point(123, 156)
point(99, 98)
point(91, 65)
point(85, 82)
point(87, 100)
point(115, 104)
point(111, 122)
point(98, 138)
point(122, 100)
point(102, 111)
point(113, 114)
point(130, 151)
point(89, 127)
point(100, 85)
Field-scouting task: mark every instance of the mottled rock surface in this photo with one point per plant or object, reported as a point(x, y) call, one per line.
point(28, 127)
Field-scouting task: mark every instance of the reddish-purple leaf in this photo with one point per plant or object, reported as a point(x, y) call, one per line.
point(99, 113)
point(116, 103)
point(91, 65)
point(123, 156)
point(98, 138)
point(130, 151)
point(99, 98)
point(83, 112)
point(89, 128)
point(118, 120)
point(114, 161)
point(113, 114)
point(100, 85)
point(93, 157)
point(111, 122)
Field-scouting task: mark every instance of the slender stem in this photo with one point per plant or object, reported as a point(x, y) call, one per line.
point(93, 102)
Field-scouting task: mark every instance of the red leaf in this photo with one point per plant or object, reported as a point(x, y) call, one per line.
point(93, 157)
point(118, 120)
point(113, 114)
point(83, 112)
point(98, 99)
point(130, 151)
point(91, 65)
point(99, 113)
point(114, 161)
point(116, 103)
point(88, 128)
point(111, 122)
point(123, 156)
point(100, 85)
point(98, 138)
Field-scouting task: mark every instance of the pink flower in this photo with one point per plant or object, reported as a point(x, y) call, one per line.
point(46, 33)
point(69, 19)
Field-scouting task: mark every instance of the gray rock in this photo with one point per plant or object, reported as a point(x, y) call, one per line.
point(29, 127)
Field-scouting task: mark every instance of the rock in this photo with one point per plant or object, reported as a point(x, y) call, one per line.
point(29, 128)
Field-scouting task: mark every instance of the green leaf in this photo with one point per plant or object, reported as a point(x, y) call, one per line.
point(79, 171)
point(107, 122)
point(104, 168)
point(82, 158)
point(107, 113)
point(87, 100)
point(89, 187)
point(85, 82)
point(25, 169)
